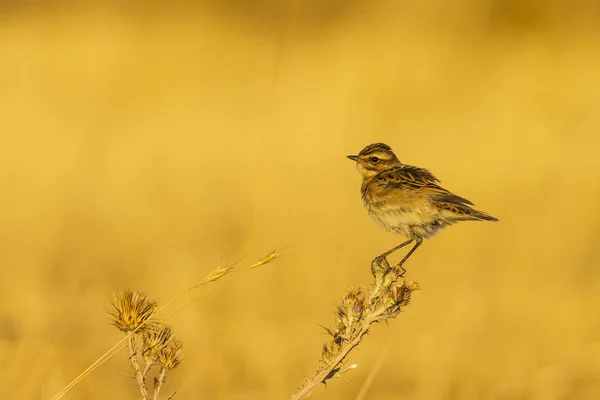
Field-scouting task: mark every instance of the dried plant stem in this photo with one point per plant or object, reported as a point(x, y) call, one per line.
point(140, 376)
point(359, 310)
point(159, 381)
point(329, 371)
point(334, 364)
point(149, 365)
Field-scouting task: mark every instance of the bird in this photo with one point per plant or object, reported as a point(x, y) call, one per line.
point(408, 200)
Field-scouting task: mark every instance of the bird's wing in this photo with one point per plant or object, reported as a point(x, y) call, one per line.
point(417, 180)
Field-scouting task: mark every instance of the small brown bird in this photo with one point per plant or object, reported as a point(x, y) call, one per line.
point(407, 200)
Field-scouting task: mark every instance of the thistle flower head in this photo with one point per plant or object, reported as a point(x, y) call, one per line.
point(354, 298)
point(131, 309)
point(154, 339)
point(351, 309)
point(171, 355)
point(330, 350)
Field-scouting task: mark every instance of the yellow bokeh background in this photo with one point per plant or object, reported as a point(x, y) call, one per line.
point(143, 144)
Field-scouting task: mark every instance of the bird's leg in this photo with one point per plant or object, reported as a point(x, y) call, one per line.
point(401, 245)
point(380, 264)
point(377, 261)
point(415, 247)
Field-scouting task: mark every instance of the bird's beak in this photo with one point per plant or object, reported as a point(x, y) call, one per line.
point(353, 158)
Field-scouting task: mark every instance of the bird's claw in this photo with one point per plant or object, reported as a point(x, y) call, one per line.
point(401, 274)
point(380, 264)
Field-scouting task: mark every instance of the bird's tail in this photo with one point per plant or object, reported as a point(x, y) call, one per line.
point(480, 215)
point(463, 212)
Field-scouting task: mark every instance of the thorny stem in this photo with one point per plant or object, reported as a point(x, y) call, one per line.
point(378, 309)
point(135, 364)
point(332, 368)
point(159, 381)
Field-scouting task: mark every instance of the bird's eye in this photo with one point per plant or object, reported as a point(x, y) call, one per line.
point(375, 159)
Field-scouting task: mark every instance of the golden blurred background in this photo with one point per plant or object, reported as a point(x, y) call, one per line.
point(143, 144)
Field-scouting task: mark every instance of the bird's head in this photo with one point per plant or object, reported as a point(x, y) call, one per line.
point(375, 158)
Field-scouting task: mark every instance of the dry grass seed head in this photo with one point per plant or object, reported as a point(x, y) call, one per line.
point(225, 269)
point(270, 257)
point(131, 309)
point(218, 273)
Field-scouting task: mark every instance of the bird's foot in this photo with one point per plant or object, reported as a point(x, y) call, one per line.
point(402, 270)
point(380, 265)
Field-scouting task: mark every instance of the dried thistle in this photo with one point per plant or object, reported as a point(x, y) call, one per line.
point(171, 355)
point(158, 344)
point(154, 338)
point(166, 351)
point(132, 314)
point(358, 311)
point(132, 309)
